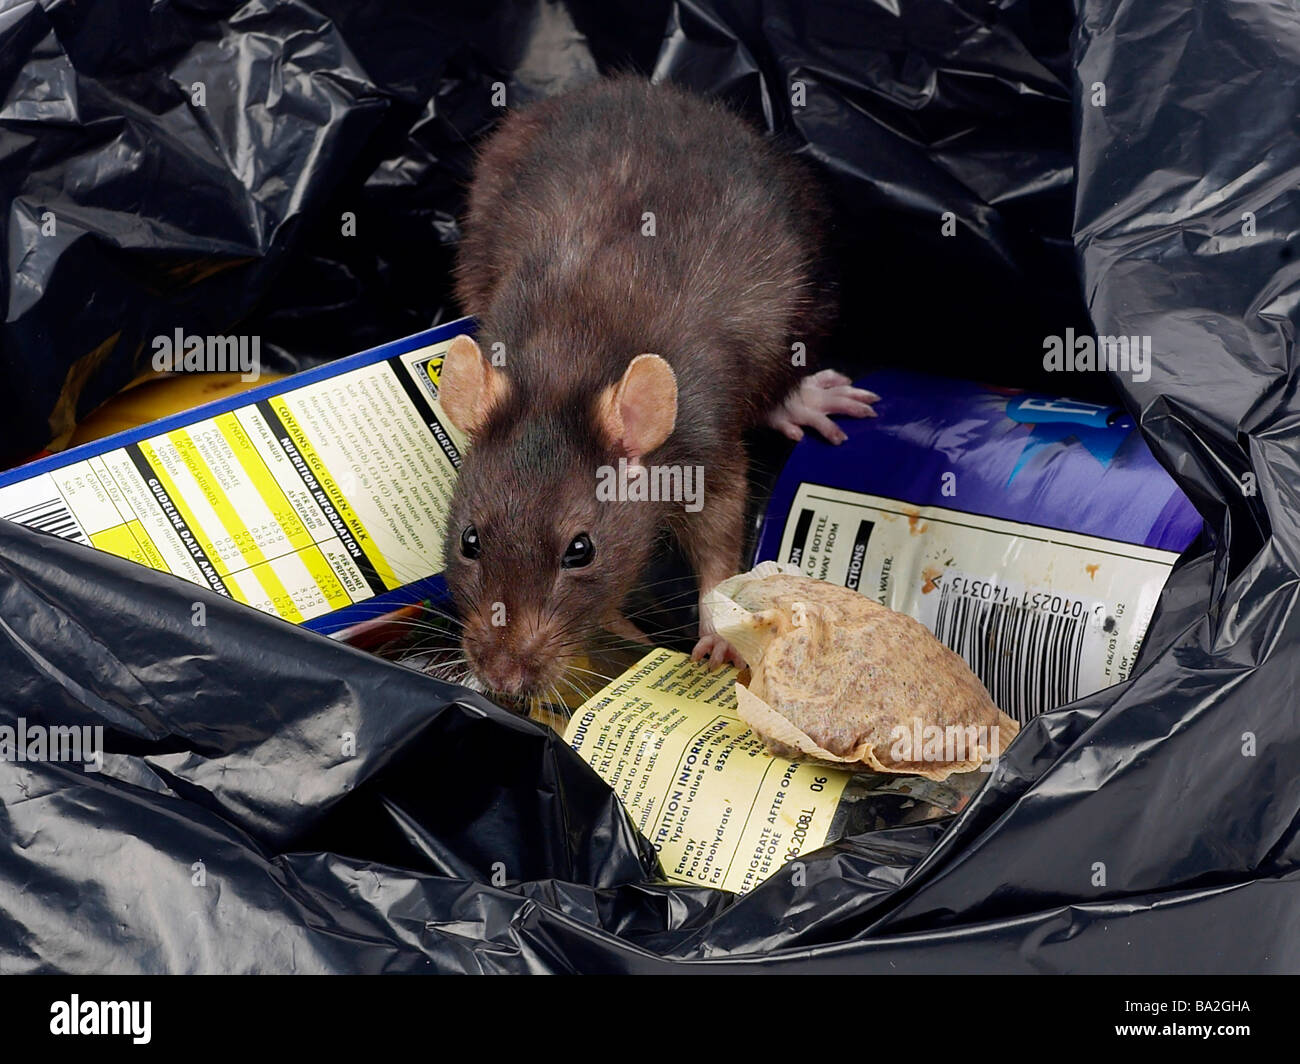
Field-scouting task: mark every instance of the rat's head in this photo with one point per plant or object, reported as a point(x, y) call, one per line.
point(536, 557)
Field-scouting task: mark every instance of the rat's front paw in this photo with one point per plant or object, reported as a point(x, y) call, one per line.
point(815, 399)
point(718, 651)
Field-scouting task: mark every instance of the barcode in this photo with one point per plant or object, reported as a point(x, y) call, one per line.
point(1029, 659)
point(51, 516)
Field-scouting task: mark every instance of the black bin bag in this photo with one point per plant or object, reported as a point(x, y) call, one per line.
point(272, 801)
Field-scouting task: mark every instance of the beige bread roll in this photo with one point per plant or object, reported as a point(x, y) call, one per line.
point(838, 677)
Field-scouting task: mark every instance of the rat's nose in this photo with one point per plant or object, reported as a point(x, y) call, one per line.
point(500, 670)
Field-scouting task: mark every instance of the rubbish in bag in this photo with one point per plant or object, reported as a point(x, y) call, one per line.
point(698, 783)
point(1148, 827)
point(1031, 534)
point(320, 499)
point(837, 677)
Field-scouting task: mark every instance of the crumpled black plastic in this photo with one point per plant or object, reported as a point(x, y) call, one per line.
point(1149, 827)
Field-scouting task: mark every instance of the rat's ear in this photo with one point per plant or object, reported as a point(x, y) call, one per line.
point(468, 386)
point(639, 412)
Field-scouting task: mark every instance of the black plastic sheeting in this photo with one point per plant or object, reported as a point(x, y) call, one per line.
point(273, 801)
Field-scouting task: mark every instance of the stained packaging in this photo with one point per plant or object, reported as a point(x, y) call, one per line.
point(1030, 533)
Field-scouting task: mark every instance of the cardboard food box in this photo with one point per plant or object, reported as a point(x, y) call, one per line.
point(319, 498)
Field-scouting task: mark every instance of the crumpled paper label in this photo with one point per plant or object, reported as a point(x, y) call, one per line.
point(837, 677)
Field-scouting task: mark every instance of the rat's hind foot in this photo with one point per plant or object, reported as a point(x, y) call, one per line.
point(717, 650)
point(814, 399)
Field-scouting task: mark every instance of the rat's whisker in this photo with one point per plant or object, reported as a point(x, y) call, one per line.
point(581, 694)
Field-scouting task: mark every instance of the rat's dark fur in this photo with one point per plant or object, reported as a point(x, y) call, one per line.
point(555, 266)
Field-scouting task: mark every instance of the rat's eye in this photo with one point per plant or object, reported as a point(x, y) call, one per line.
point(579, 552)
point(469, 544)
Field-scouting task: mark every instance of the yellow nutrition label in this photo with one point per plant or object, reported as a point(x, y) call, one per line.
point(298, 504)
point(698, 783)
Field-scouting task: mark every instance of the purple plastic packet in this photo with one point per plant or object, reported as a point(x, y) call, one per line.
point(1031, 534)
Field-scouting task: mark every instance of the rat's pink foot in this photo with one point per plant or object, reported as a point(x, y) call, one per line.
point(815, 399)
point(717, 650)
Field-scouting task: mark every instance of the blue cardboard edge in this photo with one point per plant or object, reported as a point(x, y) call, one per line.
point(801, 467)
point(433, 588)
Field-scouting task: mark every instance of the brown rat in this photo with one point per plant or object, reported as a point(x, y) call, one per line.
point(646, 272)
